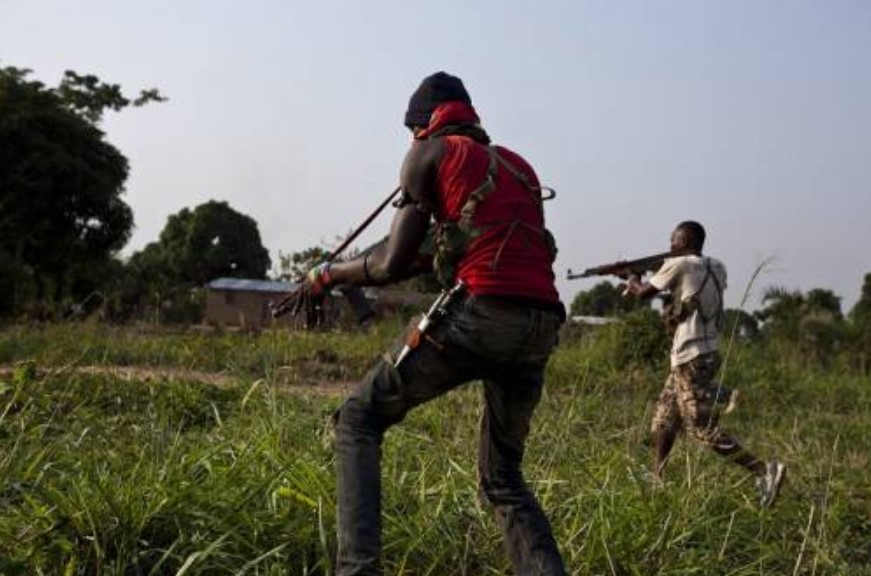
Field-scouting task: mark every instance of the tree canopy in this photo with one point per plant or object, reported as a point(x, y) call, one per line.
point(61, 184)
point(196, 246)
point(211, 241)
point(604, 299)
point(861, 312)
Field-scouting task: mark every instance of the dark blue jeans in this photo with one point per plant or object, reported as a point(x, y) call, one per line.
point(505, 345)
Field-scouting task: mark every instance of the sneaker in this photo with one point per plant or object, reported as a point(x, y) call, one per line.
point(731, 400)
point(769, 484)
point(726, 399)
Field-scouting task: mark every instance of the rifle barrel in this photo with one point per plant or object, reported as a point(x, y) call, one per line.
point(639, 265)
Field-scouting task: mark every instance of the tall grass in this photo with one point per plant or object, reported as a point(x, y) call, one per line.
point(171, 475)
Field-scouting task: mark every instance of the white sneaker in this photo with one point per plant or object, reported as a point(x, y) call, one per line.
point(769, 484)
point(726, 399)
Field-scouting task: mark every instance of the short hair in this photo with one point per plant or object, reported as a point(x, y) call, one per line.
point(695, 232)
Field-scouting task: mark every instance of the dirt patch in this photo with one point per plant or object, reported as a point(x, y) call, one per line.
point(282, 383)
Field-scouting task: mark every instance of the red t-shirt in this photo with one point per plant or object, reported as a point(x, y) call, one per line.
point(511, 256)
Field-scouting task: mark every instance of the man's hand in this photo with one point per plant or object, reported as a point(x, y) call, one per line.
point(309, 296)
point(621, 272)
point(633, 284)
point(638, 288)
point(318, 279)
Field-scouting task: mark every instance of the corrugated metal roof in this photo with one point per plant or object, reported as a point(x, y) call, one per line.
point(594, 320)
point(242, 284)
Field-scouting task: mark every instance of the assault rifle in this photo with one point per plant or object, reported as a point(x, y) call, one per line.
point(638, 266)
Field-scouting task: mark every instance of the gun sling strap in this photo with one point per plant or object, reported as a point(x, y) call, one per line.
point(453, 238)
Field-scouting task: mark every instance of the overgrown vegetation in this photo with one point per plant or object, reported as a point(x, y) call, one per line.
point(104, 474)
point(61, 189)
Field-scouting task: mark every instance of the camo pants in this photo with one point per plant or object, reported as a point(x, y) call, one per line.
point(688, 402)
point(504, 345)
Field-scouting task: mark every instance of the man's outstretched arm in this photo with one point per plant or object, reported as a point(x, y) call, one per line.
point(640, 289)
point(398, 257)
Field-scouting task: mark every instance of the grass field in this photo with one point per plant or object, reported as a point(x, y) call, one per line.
point(128, 452)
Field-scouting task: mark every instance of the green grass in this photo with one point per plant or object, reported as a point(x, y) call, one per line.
point(101, 474)
point(273, 355)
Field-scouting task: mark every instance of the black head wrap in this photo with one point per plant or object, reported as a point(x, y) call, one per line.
point(433, 90)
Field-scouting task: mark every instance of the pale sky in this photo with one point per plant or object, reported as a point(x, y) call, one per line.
point(751, 116)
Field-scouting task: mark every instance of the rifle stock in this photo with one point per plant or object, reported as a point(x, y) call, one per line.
point(638, 266)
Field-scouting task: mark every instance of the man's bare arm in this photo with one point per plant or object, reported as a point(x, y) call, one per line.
point(397, 258)
point(644, 290)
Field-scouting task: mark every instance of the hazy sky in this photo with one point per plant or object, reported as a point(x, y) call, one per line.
point(751, 116)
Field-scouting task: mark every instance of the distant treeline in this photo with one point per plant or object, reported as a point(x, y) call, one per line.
point(807, 327)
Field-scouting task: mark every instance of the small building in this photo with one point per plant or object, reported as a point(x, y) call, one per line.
point(388, 302)
point(593, 320)
point(246, 303)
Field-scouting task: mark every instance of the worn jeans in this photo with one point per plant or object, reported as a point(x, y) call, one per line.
point(505, 345)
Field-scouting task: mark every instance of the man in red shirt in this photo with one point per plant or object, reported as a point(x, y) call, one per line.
point(486, 204)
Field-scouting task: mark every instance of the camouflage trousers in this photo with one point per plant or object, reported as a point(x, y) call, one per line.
point(690, 401)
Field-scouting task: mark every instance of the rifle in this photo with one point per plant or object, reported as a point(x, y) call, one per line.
point(438, 309)
point(638, 266)
point(283, 306)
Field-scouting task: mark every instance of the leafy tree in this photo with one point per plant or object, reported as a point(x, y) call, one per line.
point(604, 299)
point(296, 264)
point(861, 312)
point(196, 246)
point(213, 240)
point(89, 97)
point(740, 323)
point(814, 321)
point(782, 312)
point(61, 182)
point(142, 285)
point(823, 327)
point(786, 308)
point(860, 326)
point(823, 301)
point(639, 339)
